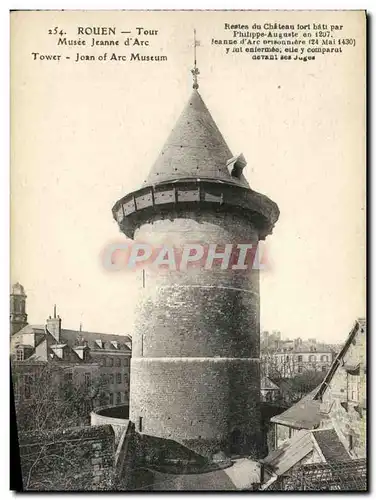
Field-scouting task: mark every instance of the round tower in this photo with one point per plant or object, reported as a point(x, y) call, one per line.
point(195, 375)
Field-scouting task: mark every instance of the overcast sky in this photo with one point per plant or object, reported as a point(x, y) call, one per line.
point(85, 134)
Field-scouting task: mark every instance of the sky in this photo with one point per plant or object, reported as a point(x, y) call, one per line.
point(85, 134)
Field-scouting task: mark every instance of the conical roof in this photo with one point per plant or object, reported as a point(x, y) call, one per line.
point(195, 149)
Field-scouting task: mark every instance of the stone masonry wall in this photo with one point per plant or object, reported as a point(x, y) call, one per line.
point(195, 366)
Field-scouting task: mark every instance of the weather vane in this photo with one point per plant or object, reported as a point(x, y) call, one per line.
point(195, 71)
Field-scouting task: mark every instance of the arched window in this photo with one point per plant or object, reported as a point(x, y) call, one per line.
point(312, 358)
point(324, 357)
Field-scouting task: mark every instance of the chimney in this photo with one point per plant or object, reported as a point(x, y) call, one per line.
point(53, 325)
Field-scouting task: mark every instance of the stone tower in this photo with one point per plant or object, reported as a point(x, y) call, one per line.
point(195, 364)
point(18, 316)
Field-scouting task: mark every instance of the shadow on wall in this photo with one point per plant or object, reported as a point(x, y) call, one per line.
point(167, 455)
point(121, 411)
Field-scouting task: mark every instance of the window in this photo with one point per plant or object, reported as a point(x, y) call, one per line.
point(68, 377)
point(111, 378)
point(118, 398)
point(324, 358)
point(351, 442)
point(117, 361)
point(20, 356)
point(118, 378)
point(126, 362)
point(352, 388)
point(300, 369)
point(110, 362)
point(323, 368)
point(140, 424)
point(28, 382)
point(300, 359)
point(111, 398)
point(312, 358)
point(87, 379)
point(287, 358)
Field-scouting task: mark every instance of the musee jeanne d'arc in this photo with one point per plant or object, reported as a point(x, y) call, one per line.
point(173, 325)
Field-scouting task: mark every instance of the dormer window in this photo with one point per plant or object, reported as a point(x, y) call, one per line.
point(20, 354)
point(236, 165)
point(99, 344)
point(114, 343)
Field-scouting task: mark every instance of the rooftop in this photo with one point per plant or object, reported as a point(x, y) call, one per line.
point(194, 149)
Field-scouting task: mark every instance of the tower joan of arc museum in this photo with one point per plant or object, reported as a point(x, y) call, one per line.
point(195, 374)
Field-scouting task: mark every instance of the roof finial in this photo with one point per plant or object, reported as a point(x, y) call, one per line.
point(80, 327)
point(195, 71)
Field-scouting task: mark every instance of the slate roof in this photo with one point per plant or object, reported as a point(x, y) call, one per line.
point(76, 339)
point(71, 337)
point(305, 414)
point(325, 441)
point(194, 149)
point(330, 445)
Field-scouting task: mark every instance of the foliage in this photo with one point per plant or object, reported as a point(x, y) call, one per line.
point(47, 399)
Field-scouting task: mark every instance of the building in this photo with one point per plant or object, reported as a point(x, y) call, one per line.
point(195, 375)
point(288, 358)
point(84, 357)
point(313, 461)
point(332, 417)
point(18, 316)
point(270, 392)
point(270, 341)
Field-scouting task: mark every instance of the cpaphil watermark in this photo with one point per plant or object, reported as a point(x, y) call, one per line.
point(135, 255)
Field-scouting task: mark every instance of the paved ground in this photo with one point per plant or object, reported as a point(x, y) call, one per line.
point(241, 475)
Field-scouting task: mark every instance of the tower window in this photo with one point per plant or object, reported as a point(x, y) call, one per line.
point(140, 424)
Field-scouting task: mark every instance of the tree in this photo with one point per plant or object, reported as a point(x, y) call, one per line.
point(49, 396)
point(53, 405)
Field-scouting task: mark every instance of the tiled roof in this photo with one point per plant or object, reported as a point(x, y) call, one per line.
point(194, 149)
point(325, 441)
point(305, 414)
point(330, 445)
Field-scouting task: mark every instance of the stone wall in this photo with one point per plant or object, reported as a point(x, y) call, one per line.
point(116, 416)
point(195, 365)
point(75, 459)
